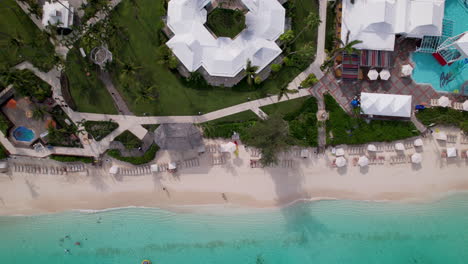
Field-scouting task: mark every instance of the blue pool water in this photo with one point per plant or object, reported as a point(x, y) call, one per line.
point(328, 232)
point(23, 134)
point(428, 70)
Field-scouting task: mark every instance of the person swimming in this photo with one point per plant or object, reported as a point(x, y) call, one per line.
point(67, 251)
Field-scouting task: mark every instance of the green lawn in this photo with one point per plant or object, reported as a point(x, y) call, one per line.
point(62, 158)
point(21, 40)
point(129, 140)
point(302, 10)
point(224, 127)
point(88, 92)
point(350, 130)
point(174, 96)
point(100, 129)
point(444, 116)
point(226, 22)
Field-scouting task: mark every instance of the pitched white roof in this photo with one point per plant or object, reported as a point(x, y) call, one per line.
point(57, 14)
point(375, 22)
point(386, 104)
point(195, 46)
point(462, 44)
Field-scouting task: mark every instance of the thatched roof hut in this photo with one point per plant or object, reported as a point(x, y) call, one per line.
point(178, 137)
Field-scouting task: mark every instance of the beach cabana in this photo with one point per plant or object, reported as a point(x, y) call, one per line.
point(154, 168)
point(451, 152)
point(465, 106)
point(114, 170)
point(340, 162)
point(394, 105)
point(172, 167)
point(440, 136)
point(406, 70)
point(373, 75)
point(304, 153)
point(384, 74)
point(363, 161)
point(178, 137)
point(399, 146)
point(443, 101)
point(416, 158)
point(3, 166)
point(228, 147)
point(418, 142)
point(371, 147)
point(339, 152)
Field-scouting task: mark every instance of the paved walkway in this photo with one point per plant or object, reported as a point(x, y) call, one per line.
point(119, 102)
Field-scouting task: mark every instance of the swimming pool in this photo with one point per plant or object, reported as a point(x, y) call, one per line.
point(23, 134)
point(428, 70)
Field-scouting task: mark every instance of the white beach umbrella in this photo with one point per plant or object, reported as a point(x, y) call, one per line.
point(441, 136)
point(416, 158)
point(373, 75)
point(443, 101)
point(339, 152)
point(304, 153)
point(465, 106)
point(114, 170)
point(406, 70)
point(228, 147)
point(363, 161)
point(418, 142)
point(340, 162)
point(371, 147)
point(384, 74)
point(172, 166)
point(154, 168)
point(451, 152)
point(399, 146)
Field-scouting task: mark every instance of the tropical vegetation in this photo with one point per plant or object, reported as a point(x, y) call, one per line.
point(147, 157)
point(444, 116)
point(226, 22)
point(129, 140)
point(100, 129)
point(63, 158)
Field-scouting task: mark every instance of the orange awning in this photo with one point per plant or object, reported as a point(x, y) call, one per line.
point(11, 103)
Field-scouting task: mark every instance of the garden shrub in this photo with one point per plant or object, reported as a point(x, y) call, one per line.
point(147, 157)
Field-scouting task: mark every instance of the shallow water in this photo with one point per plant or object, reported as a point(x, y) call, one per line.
point(313, 232)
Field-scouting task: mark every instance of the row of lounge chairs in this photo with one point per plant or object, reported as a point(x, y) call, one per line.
point(399, 159)
point(287, 163)
point(139, 170)
point(36, 169)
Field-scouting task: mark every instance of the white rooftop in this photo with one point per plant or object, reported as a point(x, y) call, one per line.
point(57, 14)
point(386, 104)
point(375, 22)
point(462, 44)
point(195, 46)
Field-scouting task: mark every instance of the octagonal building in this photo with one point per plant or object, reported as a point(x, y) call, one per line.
point(223, 58)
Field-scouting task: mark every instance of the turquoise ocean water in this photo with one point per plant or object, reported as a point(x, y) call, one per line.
point(312, 232)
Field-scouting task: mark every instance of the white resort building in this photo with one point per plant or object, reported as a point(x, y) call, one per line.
point(57, 13)
point(198, 49)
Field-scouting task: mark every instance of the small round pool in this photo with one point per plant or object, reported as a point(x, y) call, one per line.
point(23, 134)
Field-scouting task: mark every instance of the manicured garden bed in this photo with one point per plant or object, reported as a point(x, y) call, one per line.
point(100, 129)
point(345, 129)
point(226, 22)
point(62, 158)
point(129, 140)
point(151, 127)
point(225, 127)
point(149, 155)
point(444, 116)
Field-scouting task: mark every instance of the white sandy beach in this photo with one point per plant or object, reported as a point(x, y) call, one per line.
point(311, 178)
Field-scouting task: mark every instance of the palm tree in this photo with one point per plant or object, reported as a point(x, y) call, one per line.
point(311, 21)
point(250, 71)
point(128, 69)
point(284, 91)
point(347, 48)
point(146, 94)
point(39, 113)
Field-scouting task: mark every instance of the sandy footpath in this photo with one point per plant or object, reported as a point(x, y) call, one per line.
point(314, 177)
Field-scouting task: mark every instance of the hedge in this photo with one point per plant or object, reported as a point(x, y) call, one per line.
point(147, 157)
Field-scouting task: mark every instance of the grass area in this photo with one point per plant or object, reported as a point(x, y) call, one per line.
point(62, 158)
point(129, 140)
point(140, 43)
point(100, 129)
point(301, 115)
point(351, 130)
point(89, 93)
point(151, 127)
point(330, 27)
point(444, 116)
point(147, 157)
point(21, 40)
point(225, 127)
point(93, 7)
point(226, 22)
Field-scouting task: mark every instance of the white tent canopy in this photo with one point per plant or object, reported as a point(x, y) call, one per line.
point(406, 70)
point(154, 168)
point(416, 158)
point(373, 75)
point(114, 170)
point(172, 166)
point(363, 161)
point(228, 147)
point(371, 147)
point(451, 152)
point(443, 101)
point(465, 105)
point(339, 152)
point(384, 74)
point(399, 146)
point(340, 162)
point(386, 104)
point(304, 153)
point(418, 142)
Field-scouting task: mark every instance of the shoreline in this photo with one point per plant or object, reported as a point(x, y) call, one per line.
point(311, 179)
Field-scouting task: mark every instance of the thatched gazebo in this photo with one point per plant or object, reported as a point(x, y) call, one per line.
point(179, 137)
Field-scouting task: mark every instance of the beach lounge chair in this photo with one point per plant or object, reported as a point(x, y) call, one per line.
point(452, 138)
point(464, 139)
point(255, 164)
point(434, 102)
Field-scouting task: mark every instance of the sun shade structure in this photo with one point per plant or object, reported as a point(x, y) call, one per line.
point(399, 146)
point(406, 70)
point(178, 137)
point(114, 170)
point(196, 47)
point(384, 74)
point(376, 22)
point(363, 161)
point(371, 147)
point(154, 168)
point(373, 75)
point(386, 104)
point(451, 152)
point(465, 106)
point(443, 101)
point(416, 158)
point(57, 13)
point(440, 136)
point(340, 162)
point(339, 152)
point(228, 147)
point(418, 142)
